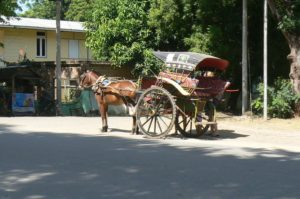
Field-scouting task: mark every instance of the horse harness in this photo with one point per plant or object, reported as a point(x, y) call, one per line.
point(102, 87)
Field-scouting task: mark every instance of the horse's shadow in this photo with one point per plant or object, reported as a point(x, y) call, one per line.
point(119, 130)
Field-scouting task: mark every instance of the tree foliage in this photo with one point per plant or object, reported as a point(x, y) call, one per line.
point(7, 9)
point(288, 14)
point(281, 99)
point(117, 31)
point(45, 9)
point(78, 10)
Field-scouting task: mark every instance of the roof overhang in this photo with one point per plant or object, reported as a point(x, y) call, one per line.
point(42, 24)
point(18, 71)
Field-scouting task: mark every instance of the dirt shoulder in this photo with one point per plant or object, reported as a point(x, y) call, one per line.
point(291, 125)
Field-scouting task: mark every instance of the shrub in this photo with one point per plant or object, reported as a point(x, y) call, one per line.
point(281, 99)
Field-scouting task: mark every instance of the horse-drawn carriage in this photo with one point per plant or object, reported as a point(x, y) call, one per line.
point(182, 95)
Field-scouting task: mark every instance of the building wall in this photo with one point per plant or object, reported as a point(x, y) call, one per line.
point(1, 41)
point(16, 39)
point(2, 64)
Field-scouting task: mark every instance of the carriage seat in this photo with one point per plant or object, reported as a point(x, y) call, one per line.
point(182, 79)
point(209, 86)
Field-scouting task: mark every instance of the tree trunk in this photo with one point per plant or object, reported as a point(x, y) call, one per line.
point(294, 58)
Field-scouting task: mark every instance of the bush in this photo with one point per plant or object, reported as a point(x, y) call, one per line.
point(281, 99)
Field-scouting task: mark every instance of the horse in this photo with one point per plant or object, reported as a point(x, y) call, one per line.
point(110, 93)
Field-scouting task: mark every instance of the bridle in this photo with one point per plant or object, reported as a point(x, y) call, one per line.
point(89, 80)
point(95, 86)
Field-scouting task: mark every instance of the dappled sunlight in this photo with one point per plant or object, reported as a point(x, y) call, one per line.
point(11, 181)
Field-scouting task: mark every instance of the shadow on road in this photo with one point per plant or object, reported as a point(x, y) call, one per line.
point(71, 166)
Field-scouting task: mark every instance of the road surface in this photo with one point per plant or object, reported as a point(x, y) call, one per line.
point(68, 158)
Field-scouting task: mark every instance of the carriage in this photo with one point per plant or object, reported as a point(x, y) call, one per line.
point(182, 96)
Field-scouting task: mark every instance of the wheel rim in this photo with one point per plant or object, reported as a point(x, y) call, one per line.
point(156, 112)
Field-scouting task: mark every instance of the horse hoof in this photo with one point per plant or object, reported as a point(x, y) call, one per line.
point(104, 129)
point(135, 131)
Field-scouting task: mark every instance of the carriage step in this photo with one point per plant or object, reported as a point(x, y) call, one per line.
point(205, 123)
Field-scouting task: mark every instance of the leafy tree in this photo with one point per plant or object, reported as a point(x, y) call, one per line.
point(287, 12)
point(170, 23)
point(281, 99)
point(204, 26)
point(78, 10)
point(7, 9)
point(45, 9)
point(117, 31)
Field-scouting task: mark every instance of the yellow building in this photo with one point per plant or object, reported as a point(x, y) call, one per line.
point(35, 39)
point(28, 55)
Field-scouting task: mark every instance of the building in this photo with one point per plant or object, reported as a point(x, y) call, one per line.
point(28, 54)
point(36, 39)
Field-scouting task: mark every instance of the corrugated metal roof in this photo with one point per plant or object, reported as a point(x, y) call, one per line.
point(42, 24)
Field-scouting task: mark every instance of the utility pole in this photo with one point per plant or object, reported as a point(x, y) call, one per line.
point(58, 59)
point(265, 60)
point(245, 60)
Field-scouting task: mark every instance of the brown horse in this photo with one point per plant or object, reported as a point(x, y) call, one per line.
point(112, 93)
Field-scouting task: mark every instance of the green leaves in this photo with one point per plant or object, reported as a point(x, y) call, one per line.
point(289, 15)
point(8, 8)
point(45, 9)
point(281, 99)
point(79, 10)
point(118, 32)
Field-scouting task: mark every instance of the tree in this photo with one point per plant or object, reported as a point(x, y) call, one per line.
point(205, 26)
point(45, 9)
point(78, 10)
point(117, 31)
point(287, 12)
point(7, 9)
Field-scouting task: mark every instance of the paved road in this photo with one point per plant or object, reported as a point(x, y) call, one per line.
point(68, 158)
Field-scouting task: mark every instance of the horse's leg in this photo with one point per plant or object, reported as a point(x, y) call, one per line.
point(103, 112)
point(135, 128)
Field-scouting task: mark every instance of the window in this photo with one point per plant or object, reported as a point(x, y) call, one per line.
point(41, 44)
point(73, 83)
point(73, 49)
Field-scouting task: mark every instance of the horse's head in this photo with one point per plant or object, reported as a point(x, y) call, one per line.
point(87, 79)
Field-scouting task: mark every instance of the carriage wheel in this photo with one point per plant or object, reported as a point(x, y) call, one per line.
point(155, 112)
point(193, 126)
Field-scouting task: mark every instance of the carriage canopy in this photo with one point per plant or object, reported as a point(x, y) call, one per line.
point(191, 61)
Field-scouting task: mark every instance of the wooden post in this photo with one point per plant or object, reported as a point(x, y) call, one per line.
point(265, 60)
point(58, 59)
point(245, 60)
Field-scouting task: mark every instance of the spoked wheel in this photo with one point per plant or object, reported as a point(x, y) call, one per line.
point(194, 124)
point(155, 112)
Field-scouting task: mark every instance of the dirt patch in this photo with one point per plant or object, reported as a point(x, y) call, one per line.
point(292, 124)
